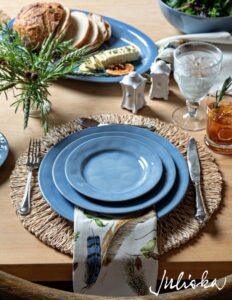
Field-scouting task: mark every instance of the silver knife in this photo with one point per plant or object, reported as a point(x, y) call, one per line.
point(201, 214)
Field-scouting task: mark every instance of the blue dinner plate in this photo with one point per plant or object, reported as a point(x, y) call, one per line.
point(66, 209)
point(123, 35)
point(167, 180)
point(4, 149)
point(113, 169)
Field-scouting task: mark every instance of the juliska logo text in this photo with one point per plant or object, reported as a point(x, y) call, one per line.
point(167, 283)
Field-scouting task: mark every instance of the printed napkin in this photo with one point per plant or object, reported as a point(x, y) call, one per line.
point(115, 257)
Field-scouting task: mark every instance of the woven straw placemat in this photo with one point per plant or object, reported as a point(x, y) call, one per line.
point(175, 229)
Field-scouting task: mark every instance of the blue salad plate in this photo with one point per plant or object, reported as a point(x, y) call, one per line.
point(122, 35)
point(65, 208)
point(113, 168)
point(162, 189)
point(4, 149)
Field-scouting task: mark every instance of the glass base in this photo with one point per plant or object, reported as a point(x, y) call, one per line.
point(220, 149)
point(182, 118)
point(36, 113)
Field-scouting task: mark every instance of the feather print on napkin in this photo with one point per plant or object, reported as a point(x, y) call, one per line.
point(107, 241)
point(93, 261)
point(135, 276)
point(115, 236)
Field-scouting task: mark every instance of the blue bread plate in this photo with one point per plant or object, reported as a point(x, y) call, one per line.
point(123, 35)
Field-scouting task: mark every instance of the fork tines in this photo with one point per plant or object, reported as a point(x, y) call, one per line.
point(33, 152)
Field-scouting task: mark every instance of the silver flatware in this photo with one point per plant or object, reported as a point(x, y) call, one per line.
point(33, 161)
point(201, 214)
point(87, 122)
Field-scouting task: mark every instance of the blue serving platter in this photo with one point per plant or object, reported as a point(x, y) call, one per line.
point(164, 186)
point(113, 168)
point(4, 149)
point(66, 209)
point(123, 35)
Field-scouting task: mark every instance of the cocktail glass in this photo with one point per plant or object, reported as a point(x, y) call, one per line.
point(219, 125)
point(196, 68)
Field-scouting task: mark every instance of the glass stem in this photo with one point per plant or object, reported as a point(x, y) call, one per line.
point(192, 107)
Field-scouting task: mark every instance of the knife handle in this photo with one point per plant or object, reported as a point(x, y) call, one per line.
point(201, 212)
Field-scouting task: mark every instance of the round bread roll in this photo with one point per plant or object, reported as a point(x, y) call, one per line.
point(36, 21)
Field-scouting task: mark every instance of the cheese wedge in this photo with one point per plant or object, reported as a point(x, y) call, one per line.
point(79, 29)
point(110, 57)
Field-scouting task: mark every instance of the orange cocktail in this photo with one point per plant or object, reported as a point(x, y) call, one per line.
point(219, 126)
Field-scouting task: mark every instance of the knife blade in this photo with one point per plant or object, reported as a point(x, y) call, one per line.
point(194, 167)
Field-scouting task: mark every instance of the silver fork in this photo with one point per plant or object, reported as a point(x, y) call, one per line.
point(33, 160)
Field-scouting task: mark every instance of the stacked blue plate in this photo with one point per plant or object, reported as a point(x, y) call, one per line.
point(4, 149)
point(113, 169)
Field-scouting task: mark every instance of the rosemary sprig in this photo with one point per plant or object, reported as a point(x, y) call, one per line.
point(221, 93)
point(31, 73)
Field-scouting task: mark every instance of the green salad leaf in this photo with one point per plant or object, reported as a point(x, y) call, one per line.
point(205, 8)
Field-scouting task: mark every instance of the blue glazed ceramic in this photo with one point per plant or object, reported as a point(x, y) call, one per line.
point(195, 24)
point(113, 168)
point(4, 149)
point(66, 209)
point(164, 186)
point(122, 35)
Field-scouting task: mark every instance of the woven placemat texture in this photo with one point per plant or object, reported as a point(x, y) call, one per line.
point(175, 229)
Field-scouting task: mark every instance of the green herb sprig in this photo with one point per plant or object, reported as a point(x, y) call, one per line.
point(221, 93)
point(30, 73)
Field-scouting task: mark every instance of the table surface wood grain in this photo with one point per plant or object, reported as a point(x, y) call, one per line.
point(21, 253)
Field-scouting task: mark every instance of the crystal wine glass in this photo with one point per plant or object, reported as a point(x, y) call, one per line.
point(196, 68)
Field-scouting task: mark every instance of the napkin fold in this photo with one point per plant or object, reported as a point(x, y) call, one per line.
point(115, 257)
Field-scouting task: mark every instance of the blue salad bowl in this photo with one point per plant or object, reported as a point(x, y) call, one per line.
point(195, 24)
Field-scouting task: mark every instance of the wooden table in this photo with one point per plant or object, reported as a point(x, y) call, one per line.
point(23, 254)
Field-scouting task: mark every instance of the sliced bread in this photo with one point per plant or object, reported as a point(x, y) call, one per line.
point(94, 33)
point(101, 27)
point(109, 30)
point(79, 29)
point(66, 21)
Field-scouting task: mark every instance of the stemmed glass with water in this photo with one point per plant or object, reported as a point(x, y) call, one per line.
point(196, 67)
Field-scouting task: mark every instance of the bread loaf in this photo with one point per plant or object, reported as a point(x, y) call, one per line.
point(36, 21)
